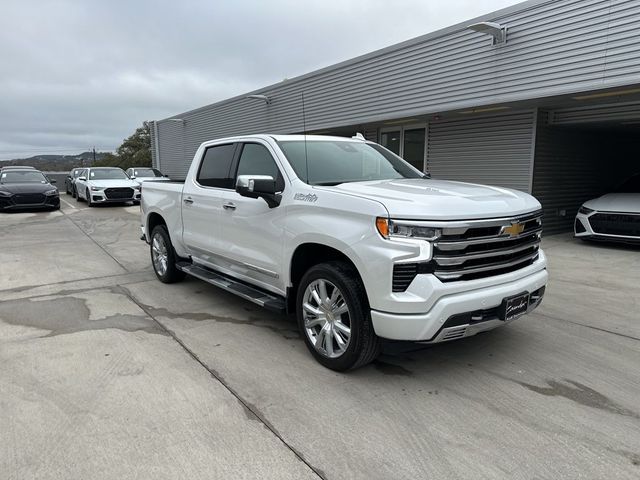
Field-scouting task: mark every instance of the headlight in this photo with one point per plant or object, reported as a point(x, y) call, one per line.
point(585, 210)
point(399, 229)
point(96, 189)
point(51, 193)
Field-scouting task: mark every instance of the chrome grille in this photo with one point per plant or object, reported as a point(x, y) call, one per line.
point(483, 248)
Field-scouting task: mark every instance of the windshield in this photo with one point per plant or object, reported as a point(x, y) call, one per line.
point(334, 162)
point(22, 176)
point(632, 185)
point(108, 174)
point(146, 172)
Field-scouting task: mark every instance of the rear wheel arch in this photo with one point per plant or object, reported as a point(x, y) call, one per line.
point(153, 220)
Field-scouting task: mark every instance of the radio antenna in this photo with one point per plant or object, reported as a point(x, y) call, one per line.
point(304, 126)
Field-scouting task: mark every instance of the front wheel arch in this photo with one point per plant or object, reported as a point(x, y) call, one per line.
point(306, 256)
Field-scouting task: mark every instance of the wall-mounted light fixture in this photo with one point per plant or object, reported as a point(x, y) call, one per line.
point(266, 99)
point(497, 32)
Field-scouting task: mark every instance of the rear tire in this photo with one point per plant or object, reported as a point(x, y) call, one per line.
point(337, 329)
point(163, 256)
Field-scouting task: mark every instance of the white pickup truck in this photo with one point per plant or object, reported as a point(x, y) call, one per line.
point(350, 237)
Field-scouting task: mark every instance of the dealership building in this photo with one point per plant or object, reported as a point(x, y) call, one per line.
point(543, 96)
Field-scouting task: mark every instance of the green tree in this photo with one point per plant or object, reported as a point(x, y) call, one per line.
point(135, 151)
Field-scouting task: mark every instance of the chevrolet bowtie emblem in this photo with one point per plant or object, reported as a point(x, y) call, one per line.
point(514, 229)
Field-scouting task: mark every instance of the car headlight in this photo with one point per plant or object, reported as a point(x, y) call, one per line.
point(399, 229)
point(96, 189)
point(585, 211)
point(51, 193)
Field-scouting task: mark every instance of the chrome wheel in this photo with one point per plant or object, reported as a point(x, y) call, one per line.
point(159, 255)
point(326, 317)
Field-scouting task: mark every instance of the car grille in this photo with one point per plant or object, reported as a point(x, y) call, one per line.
point(117, 193)
point(616, 224)
point(477, 249)
point(29, 199)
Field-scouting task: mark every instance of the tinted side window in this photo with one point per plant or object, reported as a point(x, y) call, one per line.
point(215, 170)
point(256, 160)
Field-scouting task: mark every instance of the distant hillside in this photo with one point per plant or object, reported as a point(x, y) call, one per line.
point(56, 163)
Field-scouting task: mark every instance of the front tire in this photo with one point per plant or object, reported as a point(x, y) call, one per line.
point(89, 202)
point(334, 317)
point(163, 257)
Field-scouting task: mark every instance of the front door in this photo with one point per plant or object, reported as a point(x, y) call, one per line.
point(252, 234)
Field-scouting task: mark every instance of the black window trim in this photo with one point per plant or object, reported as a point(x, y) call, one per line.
point(234, 160)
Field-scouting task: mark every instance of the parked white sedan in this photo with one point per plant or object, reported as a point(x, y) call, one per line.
point(612, 217)
point(143, 174)
point(106, 185)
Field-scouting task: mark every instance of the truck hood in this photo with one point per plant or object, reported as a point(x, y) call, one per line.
point(616, 202)
point(119, 183)
point(442, 200)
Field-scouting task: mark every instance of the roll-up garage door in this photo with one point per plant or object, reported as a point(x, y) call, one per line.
point(492, 150)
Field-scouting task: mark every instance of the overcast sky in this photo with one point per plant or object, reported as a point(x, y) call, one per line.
point(81, 73)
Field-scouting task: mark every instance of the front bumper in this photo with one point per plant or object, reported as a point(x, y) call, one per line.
point(101, 197)
point(435, 326)
point(13, 203)
point(583, 229)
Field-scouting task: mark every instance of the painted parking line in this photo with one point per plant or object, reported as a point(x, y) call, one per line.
point(72, 206)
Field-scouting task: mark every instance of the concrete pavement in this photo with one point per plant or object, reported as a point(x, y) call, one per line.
point(108, 373)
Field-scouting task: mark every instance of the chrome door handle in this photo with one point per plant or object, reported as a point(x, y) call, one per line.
point(229, 206)
point(188, 201)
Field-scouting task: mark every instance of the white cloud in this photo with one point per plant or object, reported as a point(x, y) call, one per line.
point(79, 73)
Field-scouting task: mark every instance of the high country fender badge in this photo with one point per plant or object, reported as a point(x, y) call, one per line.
point(308, 197)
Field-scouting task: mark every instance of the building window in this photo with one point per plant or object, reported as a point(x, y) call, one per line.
point(391, 140)
point(409, 142)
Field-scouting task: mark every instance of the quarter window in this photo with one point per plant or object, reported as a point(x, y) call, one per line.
point(215, 170)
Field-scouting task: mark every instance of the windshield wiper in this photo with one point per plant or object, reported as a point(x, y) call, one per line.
point(327, 184)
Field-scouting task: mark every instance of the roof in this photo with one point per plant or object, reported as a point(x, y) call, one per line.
point(522, 6)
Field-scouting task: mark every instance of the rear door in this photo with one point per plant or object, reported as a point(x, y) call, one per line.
point(252, 235)
point(201, 205)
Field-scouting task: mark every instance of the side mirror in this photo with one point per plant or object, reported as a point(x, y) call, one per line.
point(82, 179)
point(52, 181)
point(259, 186)
point(132, 177)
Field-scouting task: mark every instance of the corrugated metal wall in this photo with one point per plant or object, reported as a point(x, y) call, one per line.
point(595, 114)
point(171, 147)
point(494, 150)
point(553, 47)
